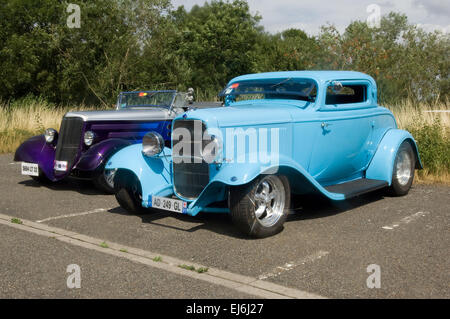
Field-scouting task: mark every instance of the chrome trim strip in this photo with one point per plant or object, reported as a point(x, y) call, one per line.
point(124, 115)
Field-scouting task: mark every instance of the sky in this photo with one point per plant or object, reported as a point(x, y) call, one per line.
point(309, 15)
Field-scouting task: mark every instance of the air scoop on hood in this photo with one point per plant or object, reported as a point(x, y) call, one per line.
point(153, 114)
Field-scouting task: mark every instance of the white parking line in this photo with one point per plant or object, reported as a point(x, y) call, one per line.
point(291, 265)
point(406, 220)
point(244, 284)
point(95, 211)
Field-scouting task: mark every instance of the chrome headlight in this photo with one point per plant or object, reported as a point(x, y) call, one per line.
point(211, 149)
point(50, 135)
point(89, 137)
point(152, 144)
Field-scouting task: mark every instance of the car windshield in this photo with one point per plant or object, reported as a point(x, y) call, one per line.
point(146, 99)
point(284, 88)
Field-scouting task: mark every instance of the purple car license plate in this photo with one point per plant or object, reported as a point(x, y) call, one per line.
point(60, 166)
point(30, 169)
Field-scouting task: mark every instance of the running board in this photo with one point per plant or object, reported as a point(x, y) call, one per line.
point(357, 187)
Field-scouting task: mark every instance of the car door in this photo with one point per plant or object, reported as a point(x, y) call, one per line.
point(343, 131)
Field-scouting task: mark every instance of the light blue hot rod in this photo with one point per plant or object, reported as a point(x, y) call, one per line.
point(279, 134)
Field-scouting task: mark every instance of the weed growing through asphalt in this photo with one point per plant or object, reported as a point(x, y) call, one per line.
point(104, 245)
point(192, 268)
point(123, 250)
point(157, 259)
point(16, 221)
point(202, 270)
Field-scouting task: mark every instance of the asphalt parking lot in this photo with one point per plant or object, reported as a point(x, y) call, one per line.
point(324, 250)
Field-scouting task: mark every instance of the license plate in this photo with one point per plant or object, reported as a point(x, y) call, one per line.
point(30, 169)
point(60, 166)
point(169, 204)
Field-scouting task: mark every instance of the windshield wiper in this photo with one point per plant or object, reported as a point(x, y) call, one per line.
point(282, 82)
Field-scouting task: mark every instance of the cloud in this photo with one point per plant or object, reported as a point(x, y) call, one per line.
point(435, 7)
point(429, 27)
point(311, 15)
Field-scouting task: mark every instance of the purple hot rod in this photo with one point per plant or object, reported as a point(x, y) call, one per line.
point(87, 139)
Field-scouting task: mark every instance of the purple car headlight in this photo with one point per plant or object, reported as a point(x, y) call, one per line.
point(50, 135)
point(89, 137)
point(152, 144)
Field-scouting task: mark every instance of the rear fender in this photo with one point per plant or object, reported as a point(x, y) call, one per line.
point(153, 173)
point(382, 164)
point(37, 150)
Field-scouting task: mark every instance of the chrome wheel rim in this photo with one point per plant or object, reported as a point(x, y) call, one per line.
point(108, 175)
point(269, 200)
point(403, 168)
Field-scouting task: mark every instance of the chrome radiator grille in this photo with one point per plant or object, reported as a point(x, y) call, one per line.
point(190, 177)
point(69, 140)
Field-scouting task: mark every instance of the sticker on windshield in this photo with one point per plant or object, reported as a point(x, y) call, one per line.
point(231, 88)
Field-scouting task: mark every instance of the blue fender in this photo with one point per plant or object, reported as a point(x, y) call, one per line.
point(153, 173)
point(382, 164)
point(95, 156)
point(237, 174)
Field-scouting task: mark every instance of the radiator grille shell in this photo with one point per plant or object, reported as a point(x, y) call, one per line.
point(69, 141)
point(190, 177)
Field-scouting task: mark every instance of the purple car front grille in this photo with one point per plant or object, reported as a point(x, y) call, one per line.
point(69, 140)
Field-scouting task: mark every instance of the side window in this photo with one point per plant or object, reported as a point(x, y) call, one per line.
point(347, 95)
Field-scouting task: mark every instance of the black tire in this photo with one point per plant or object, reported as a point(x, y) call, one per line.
point(243, 207)
point(128, 192)
point(100, 182)
point(401, 183)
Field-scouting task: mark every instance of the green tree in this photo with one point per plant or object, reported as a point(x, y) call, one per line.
point(406, 61)
point(40, 55)
point(102, 58)
point(217, 41)
point(28, 47)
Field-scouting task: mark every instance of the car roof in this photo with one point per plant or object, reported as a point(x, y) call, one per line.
point(319, 76)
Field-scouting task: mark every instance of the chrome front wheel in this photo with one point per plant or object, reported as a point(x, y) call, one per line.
point(269, 199)
point(108, 175)
point(260, 208)
point(104, 180)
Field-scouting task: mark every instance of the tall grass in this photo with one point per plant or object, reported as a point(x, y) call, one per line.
point(430, 126)
point(30, 116)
